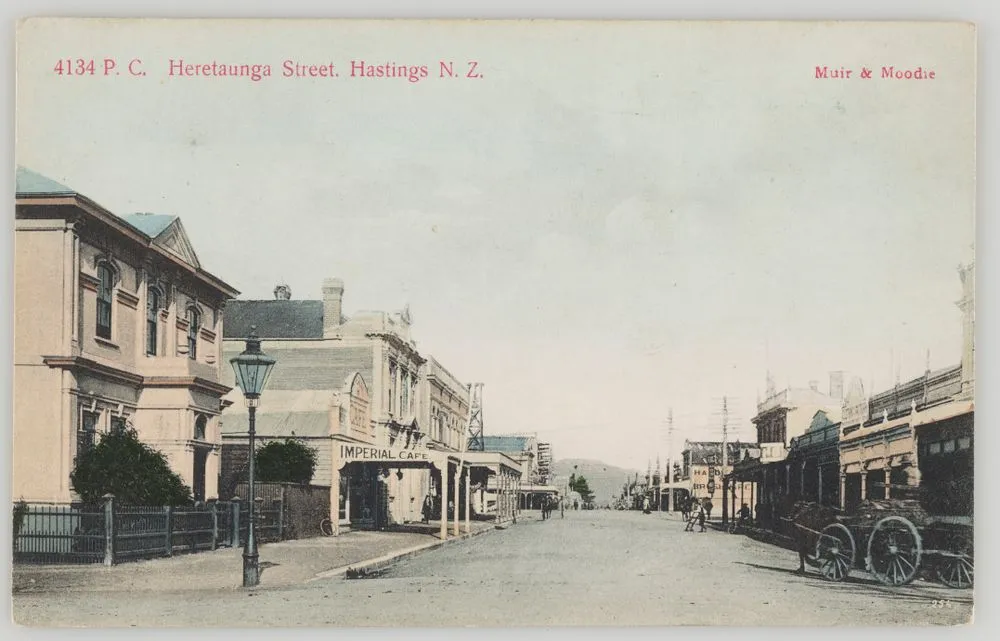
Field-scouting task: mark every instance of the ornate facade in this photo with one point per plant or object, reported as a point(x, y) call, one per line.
point(116, 325)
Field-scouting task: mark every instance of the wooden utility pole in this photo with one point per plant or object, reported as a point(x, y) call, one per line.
point(670, 462)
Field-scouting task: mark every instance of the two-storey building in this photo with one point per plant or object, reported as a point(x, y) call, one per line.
point(116, 325)
point(414, 405)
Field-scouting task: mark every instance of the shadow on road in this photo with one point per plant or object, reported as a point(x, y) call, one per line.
point(923, 593)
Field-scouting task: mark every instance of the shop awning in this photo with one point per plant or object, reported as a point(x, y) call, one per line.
point(495, 462)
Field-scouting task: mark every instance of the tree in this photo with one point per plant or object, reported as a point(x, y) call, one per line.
point(579, 485)
point(135, 473)
point(286, 462)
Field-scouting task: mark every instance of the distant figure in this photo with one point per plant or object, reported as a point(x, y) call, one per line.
point(645, 505)
point(686, 509)
point(744, 514)
point(701, 517)
point(428, 509)
point(708, 508)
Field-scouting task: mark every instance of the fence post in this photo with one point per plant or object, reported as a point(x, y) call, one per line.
point(169, 512)
point(258, 517)
point(281, 515)
point(109, 529)
point(214, 509)
point(235, 522)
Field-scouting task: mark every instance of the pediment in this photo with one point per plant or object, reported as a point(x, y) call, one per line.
point(175, 240)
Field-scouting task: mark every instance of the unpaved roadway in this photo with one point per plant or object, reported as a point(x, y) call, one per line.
point(589, 568)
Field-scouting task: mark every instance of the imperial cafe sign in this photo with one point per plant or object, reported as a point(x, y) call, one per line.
point(368, 453)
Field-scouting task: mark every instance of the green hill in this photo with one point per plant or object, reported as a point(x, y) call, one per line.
point(605, 481)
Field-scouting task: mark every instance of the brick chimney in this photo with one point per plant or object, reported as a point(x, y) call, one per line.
point(333, 300)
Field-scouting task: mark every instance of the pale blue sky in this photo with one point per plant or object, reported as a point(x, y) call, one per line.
point(614, 221)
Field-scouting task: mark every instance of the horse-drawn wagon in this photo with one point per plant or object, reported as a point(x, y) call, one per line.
point(894, 540)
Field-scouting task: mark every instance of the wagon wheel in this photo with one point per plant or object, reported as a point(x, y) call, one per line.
point(894, 551)
point(835, 552)
point(955, 569)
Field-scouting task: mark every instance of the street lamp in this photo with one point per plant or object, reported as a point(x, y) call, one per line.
point(252, 369)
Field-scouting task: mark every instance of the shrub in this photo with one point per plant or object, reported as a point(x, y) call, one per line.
point(286, 462)
point(134, 472)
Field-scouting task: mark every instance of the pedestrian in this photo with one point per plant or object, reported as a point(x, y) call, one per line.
point(427, 509)
point(708, 508)
point(701, 518)
point(645, 505)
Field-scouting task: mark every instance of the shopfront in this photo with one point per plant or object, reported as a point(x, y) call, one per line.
point(365, 473)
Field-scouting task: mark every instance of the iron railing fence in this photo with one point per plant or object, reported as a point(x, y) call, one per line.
point(112, 533)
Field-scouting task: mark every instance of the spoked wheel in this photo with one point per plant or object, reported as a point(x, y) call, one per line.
point(956, 571)
point(894, 551)
point(835, 552)
point(326, 527)
point(955, 568)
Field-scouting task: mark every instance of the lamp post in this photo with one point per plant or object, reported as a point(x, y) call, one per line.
point(252, 369)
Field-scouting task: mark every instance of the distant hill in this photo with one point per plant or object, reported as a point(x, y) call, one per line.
point(605, 481)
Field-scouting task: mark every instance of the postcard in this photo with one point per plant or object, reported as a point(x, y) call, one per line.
point(485, 323)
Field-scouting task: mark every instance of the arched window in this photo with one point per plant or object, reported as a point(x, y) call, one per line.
point(154, 301)
point(194, 324)
point(105, 291)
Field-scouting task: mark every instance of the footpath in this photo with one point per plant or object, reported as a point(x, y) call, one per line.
point(282, 564)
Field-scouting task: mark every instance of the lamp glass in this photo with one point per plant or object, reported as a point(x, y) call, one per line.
point(252, 368)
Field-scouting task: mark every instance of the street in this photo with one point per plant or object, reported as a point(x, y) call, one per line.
point(589, 568)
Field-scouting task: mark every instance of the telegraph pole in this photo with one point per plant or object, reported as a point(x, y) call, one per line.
point(725, 456)
point(670, 462)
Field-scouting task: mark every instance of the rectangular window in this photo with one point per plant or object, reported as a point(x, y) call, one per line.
point(152, 317)
point(194, 324)
point(964, 443)
point(105, 290)
point(86, 436)
point(392, 387)
point(404, 403)
point(934, 448)
point(118, 424)
point(949, 446)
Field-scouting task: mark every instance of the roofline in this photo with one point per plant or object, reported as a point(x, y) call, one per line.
point(120, 225)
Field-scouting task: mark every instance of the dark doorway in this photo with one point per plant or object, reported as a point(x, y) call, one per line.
point(198, 484)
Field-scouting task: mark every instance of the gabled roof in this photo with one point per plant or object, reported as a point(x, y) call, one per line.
point(150, 224)
point(167, 232)
point(274, 318)
point(506, 444)
point(31, 183)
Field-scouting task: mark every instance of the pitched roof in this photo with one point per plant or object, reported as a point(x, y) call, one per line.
point(29, 182)
point(274, 318)
point(515, 444)
point(150, 224)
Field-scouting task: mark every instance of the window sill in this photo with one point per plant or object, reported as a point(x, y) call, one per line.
point(106, 343)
